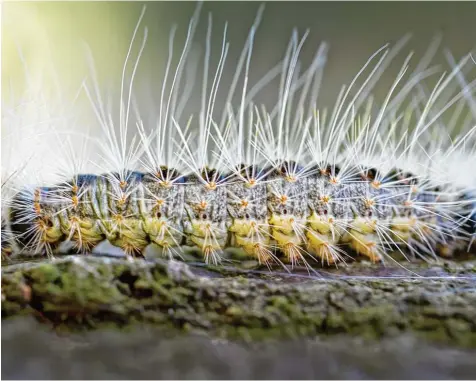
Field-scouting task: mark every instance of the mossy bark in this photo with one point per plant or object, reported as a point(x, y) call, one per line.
point(78, 293)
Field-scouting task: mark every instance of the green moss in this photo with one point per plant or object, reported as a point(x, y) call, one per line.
point(44, 273)
point(89, 293)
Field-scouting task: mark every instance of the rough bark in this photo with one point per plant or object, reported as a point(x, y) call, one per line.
point(81, 293)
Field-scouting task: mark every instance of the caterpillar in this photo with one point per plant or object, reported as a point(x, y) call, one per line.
point(292, 184)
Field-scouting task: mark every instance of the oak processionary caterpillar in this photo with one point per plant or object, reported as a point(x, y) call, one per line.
point(294, 185)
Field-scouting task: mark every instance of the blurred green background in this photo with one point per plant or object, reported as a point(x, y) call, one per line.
point(51, 36)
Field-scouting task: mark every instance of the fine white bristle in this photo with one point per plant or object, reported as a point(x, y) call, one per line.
point(288, 183)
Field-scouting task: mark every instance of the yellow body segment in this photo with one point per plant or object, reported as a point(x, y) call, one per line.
point(85, 233)
point(128, 234)
point(161, 233)
point(362, 238)
point(253, 238)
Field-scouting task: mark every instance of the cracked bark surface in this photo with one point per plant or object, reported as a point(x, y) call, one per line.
point(84, 292)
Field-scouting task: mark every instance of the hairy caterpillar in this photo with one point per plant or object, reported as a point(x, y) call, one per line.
point(291, 184)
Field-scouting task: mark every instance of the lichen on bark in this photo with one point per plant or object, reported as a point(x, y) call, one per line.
point(85, 292)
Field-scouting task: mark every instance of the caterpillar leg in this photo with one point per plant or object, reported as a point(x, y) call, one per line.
point(211, 248)
point(401, 228)
point(254, 239)
point(85, 233)
point(291, 247)
point(167, 237)
point(323, 247)
point(362, 239)
point(323, 237)
point(209, 237)
point(129, 235)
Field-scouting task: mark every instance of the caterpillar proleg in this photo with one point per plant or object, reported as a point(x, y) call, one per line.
point(291, 183)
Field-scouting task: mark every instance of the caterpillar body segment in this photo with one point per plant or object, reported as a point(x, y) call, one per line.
point(274, 220)
point(249, 227)
point(377, 204)
point(205, 222)
point(330, 214)
point(81, 217)
point(288, 208)
point(120, 212)
point(161, 205)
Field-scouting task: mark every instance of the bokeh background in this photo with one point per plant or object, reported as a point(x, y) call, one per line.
point(52, 37)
